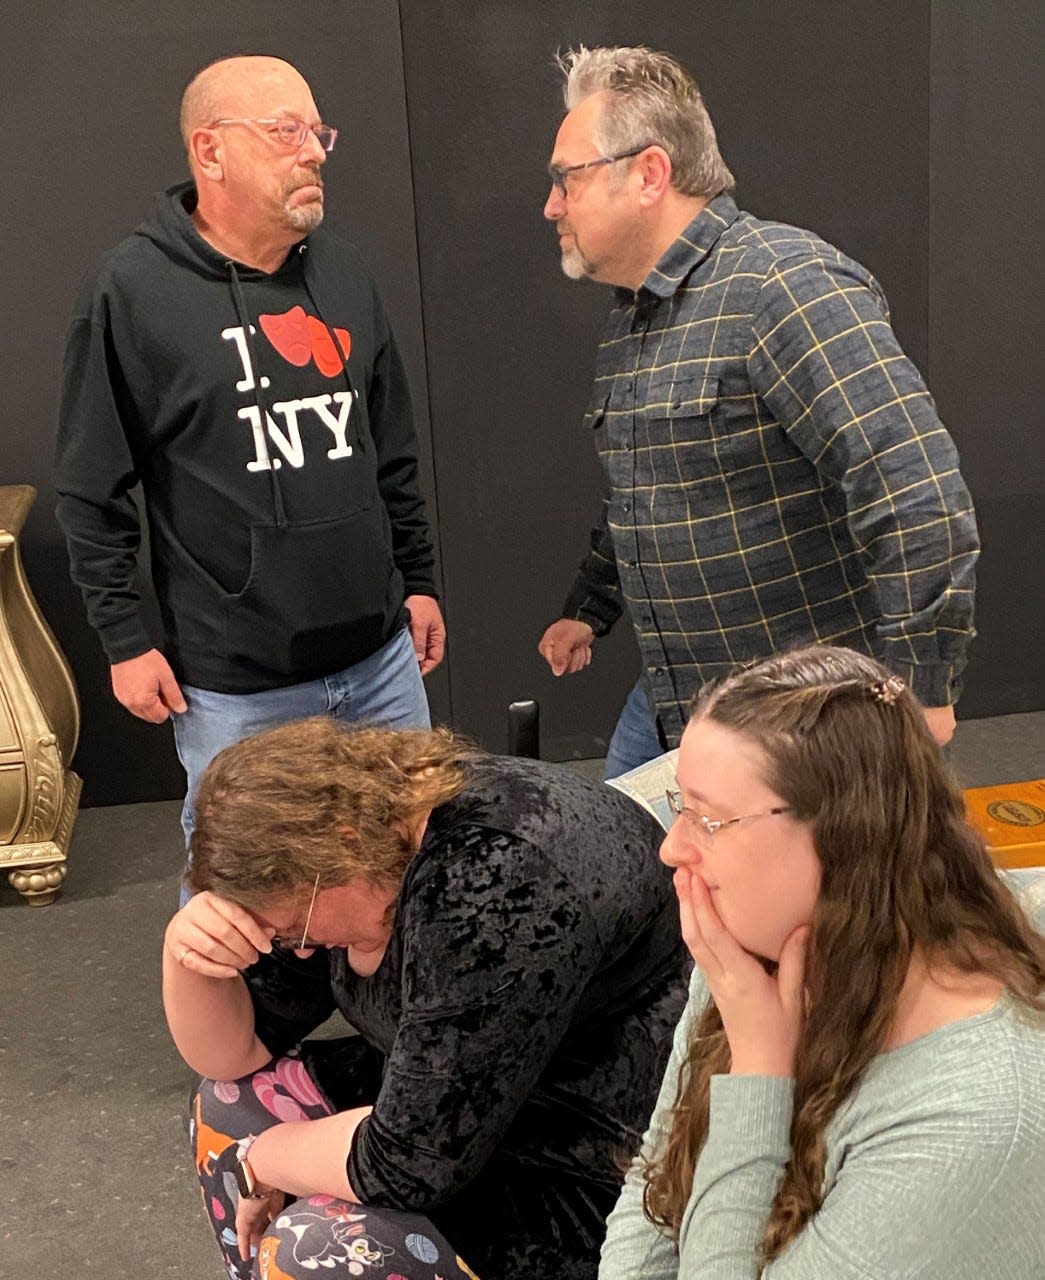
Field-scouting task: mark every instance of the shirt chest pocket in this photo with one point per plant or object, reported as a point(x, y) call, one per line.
point(684, 429)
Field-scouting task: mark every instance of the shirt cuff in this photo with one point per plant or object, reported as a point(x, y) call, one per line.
point(125, 639)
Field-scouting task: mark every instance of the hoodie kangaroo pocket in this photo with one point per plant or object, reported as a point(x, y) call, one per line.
point(320, 596)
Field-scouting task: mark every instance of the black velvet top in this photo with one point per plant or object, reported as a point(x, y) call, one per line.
point(513, 1037)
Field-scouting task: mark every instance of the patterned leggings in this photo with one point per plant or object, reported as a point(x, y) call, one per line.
point(320, 1236)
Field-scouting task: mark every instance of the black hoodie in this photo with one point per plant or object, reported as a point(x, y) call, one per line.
point(278, 555)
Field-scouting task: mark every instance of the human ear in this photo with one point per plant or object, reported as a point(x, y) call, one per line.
point(654, 166)
point(205, 154)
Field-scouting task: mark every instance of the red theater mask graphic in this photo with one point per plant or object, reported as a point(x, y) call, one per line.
point(300, 338)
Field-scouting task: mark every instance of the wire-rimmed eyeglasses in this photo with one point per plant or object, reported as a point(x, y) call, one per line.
point(708, 826)
point(558, 172)
point(288, 131)
point(298, 944)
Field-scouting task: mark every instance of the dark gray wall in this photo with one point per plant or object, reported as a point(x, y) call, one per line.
point(986, 321)
point(904, 133)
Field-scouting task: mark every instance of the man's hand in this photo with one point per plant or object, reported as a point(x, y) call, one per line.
point(427, 630)
point(566, 646)
point(146, 687)
point(941, 723)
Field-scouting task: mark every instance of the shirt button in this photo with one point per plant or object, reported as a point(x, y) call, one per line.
point(627, 507)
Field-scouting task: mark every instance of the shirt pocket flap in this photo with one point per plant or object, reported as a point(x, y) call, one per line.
point(596, 410)
point(682, 395)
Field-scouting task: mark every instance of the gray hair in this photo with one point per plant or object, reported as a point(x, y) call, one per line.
point(652, 99)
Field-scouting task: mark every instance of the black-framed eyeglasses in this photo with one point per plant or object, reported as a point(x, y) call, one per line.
point(298, 944)
point(288, 131)
point(708, 826)
point(558, 172)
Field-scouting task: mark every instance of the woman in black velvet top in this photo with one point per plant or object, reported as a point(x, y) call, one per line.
point(504, 938)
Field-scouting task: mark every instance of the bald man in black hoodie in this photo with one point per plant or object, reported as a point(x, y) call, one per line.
point(235, 360)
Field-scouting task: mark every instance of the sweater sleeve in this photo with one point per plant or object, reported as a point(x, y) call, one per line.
point(827, 363)
point(497, 949)
point(925, 1164)
point(634, 1249)
point(94, 474)
point(398, 476)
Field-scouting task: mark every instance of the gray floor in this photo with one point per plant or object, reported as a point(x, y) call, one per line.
point(97, 1174)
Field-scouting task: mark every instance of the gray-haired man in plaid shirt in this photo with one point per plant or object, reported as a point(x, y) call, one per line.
point(778, 473)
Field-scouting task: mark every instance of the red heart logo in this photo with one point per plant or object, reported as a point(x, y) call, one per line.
point(289, 334)
point(299, 338)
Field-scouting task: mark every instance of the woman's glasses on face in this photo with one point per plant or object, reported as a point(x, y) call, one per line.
point(298, 944)
point(703, 825)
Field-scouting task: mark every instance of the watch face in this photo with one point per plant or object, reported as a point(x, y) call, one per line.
point(244, 1179)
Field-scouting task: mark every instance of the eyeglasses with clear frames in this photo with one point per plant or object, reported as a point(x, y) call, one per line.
point(289, 131)
point(558, 172)
point(708, 826)
point(298, 944)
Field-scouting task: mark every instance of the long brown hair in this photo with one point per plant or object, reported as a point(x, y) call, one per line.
point(314, 798)
point(848, 749)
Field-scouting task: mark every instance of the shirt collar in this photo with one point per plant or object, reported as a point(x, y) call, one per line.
point(688, 251)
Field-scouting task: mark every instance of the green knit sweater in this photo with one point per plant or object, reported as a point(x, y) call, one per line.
point(935, 1167)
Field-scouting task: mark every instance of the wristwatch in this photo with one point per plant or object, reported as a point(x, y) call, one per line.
point(245, 1182)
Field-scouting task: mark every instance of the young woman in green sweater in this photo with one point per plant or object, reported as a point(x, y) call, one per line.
point(857, 1088)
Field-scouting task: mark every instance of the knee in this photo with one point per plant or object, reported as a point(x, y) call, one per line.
point(320, 1233)
point(206, 1127)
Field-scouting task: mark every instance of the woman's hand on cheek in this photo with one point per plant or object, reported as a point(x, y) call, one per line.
point(761, 1014)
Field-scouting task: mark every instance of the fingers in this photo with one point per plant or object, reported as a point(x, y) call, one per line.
point(687, 888)
point(171, 694)
point(549, 651)
point(714, 949)
point(558, 663)
point(566, 646)
point(427, 631)
point(146, 686)
point(579, 659)
point(941, 723)
point(435, 647)
point(154, 711)
point(791, 970)
point(215, 937)
point(253, 1219)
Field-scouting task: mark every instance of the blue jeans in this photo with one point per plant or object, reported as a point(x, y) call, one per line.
point(384, 689)
point(636, 738)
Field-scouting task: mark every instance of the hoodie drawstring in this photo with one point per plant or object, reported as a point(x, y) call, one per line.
point(260, 399)
point(353, 398)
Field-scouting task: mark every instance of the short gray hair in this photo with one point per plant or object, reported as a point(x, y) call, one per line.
point(652, 99)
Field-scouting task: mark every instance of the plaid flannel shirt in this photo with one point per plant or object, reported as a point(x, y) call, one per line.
point(778, 473)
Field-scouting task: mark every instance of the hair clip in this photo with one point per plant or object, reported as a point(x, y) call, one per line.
point(888, 690)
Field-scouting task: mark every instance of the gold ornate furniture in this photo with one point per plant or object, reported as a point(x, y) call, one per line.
point(39, 725)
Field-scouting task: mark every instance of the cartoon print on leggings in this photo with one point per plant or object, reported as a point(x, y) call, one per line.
point(319, 1236)
point(318, 1245)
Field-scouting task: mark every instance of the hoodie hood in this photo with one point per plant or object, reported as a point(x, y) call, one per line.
point(169, 227)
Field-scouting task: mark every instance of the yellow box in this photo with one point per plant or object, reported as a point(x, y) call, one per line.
point(1011, 818)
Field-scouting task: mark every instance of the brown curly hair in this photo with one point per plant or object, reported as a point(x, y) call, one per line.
point(848, 749)
point(314, 798)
